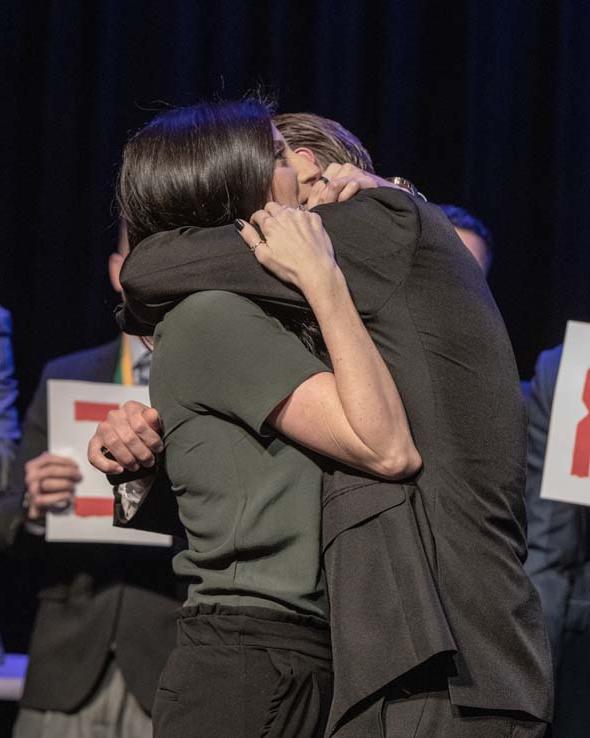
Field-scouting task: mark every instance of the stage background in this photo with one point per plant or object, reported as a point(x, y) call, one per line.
point(484, 104)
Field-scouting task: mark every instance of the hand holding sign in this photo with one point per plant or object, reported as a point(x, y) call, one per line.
point(74, 410)
point(50, 483)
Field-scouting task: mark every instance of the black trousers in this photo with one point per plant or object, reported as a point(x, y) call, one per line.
point(245, 673)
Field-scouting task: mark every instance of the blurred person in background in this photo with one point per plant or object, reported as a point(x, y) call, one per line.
point(476, 236)
point(9, 427)
point(559, 563)
point(106, 618)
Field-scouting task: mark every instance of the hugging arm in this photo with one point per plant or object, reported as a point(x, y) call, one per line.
point(288, 415)
point(241, 364)
point(171, 265)
point(354, 415)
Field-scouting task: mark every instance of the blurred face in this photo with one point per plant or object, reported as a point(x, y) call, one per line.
point(285, 187)
point(477, 246)
point(298, 164)
point(117, 258)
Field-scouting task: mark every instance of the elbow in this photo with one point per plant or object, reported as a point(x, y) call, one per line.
point(399, 464)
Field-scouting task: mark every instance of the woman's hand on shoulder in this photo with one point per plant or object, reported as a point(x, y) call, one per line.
point(341, 182)
point(294, 246)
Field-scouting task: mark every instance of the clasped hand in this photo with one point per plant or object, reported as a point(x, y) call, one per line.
point(295, 246)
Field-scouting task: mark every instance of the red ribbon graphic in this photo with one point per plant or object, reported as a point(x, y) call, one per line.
point(87, 506)
point(581, 458)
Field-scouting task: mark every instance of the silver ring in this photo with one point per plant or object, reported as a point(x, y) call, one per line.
point(256, 245)
point(325, 180)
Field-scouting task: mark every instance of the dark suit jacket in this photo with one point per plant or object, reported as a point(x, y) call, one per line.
point(552, 526)
point(94, 596)
point(559, 563)
point(433, 566)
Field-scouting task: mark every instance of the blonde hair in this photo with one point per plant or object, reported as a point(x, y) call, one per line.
point(328, 140)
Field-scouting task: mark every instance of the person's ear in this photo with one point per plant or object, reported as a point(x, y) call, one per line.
point(115, 264)
point(307, 154)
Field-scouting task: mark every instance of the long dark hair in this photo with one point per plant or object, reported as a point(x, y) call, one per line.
point(205, 166)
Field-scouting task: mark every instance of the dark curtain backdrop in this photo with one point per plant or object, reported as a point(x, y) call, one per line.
point(485, 104)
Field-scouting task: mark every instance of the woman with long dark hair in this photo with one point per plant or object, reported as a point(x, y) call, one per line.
point(248, 411)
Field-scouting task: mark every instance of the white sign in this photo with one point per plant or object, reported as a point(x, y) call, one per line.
point(74, 411)
point(566, 474)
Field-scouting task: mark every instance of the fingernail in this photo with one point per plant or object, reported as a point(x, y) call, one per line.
point(239, 224)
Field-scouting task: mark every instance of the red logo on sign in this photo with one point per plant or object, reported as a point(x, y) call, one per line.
point(94, 412)
point(581, 459)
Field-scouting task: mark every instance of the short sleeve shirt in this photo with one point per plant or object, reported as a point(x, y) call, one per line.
point(249, 500)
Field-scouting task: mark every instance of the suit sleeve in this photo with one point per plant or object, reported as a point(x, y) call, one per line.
point(374, 237)
point(9, 427)
point(552, 526)
point(169, 266)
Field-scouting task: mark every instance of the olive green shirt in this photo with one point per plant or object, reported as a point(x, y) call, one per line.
point(250, 502)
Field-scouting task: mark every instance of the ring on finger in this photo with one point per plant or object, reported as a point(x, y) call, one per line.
point(325, 180)
point(106, 453)
point(256, 245)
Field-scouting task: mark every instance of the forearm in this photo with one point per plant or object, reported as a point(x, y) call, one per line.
point(370, 400)
point(356, 414)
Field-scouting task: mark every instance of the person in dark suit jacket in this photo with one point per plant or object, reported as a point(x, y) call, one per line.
point(559, 564)
point(107, 613)
point(476, 236)
point(427, 588)
point(9, 425)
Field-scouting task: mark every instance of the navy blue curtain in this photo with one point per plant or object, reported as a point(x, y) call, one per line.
point(484, 104)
